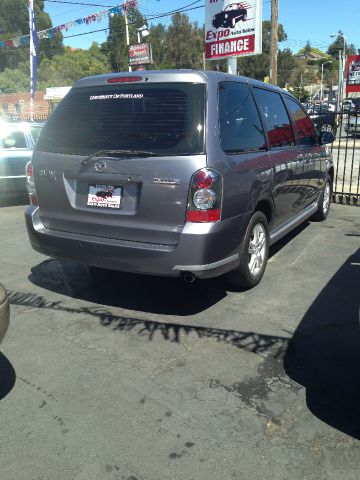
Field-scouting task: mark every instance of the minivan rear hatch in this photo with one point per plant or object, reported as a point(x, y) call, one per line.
point(116, 160)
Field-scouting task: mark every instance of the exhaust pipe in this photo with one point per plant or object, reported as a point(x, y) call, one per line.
point(189, 277)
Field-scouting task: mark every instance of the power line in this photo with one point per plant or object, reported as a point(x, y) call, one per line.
point(132, 23)
point(66, 12)
point(79, 3)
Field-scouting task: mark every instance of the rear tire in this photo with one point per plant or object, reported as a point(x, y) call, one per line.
point(254, 252)
point(324, 201)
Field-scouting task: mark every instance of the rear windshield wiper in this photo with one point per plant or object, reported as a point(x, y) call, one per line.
point(120, 154)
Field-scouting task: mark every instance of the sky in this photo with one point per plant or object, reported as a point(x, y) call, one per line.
point(303, 20)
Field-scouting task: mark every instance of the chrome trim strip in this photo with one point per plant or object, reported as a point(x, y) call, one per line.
point(208, 266)
point(285, 228)
point(12, 176)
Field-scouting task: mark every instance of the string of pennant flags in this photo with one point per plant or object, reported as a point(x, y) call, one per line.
point(50, 32)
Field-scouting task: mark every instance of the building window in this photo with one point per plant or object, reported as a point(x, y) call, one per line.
point(5, 107)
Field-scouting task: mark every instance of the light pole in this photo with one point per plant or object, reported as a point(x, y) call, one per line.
point(341, 68)
point(322, 77)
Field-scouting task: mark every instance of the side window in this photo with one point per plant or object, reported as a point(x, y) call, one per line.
point(276, 118)
point(240, 125)
point(304, 126)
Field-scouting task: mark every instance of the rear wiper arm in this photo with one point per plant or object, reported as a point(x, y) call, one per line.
point(119, 154)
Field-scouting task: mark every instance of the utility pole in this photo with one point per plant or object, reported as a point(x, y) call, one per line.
point(127, 35)
point(274, 41)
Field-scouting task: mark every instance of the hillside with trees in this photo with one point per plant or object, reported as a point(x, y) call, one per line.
point(178, 45)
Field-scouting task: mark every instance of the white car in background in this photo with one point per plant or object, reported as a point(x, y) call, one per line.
point(17, 141)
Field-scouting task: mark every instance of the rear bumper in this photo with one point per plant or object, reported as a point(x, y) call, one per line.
point(206, 250)
point(4, 313)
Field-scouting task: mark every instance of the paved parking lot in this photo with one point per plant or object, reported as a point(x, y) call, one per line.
point(146, 378)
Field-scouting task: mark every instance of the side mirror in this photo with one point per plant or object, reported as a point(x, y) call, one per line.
point(326, 137)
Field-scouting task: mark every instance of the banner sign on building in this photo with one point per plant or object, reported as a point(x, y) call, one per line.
point(232, 29)
point(352, 74)
point(140, 54)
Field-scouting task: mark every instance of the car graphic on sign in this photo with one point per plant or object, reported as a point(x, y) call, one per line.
point(232, 13)
point(104, 194)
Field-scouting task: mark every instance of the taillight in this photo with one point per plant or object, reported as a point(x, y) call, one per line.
point(30, 184)
point(204, 203)
point(123, 79)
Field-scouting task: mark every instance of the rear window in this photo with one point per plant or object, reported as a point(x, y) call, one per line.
point(161, 118)
point(12, 138)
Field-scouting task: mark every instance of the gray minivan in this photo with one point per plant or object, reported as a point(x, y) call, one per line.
point(176, 173)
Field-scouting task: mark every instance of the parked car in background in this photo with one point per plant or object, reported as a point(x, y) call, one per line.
point(352, 125)
point(17, 141)
point(324, 116)
point(351, 105)
point(4, 312)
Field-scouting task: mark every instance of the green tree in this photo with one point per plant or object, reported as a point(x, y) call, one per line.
point(66, 69)
point(308, 47)
point(286, 64)
point(116, 45)
point(59, 71)
point(14, 22)
point(14, 80)
point(184, 43)
point(158, 46)
point(338, 44)
point(258, 66)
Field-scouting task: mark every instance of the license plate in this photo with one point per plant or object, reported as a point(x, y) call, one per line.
point(104, 196)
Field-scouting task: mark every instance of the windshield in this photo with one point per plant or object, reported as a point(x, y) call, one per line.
point(164, 118)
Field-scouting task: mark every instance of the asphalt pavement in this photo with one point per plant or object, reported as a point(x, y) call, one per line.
point(142, 378)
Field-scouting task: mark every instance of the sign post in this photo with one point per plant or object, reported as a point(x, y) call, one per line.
point(232, 29)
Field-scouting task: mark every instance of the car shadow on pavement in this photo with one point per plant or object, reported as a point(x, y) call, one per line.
point(7, 376)
point(161, 295)
point(324, 353)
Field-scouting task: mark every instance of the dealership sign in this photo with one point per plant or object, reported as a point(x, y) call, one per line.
point(353, 74)
point(232, 29)
point(140, 54)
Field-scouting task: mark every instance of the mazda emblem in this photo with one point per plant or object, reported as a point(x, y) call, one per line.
point(100, 166)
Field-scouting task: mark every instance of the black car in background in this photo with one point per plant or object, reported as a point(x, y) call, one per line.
point(323, 116)
point(232, 13)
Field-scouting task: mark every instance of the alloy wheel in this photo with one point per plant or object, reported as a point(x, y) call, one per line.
point(257, 249)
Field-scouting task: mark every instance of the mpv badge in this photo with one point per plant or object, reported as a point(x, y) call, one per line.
point(166, 181)
point(100, 166)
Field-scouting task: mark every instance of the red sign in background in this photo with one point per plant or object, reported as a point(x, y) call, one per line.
point(353, 74)
point(230, 47)
point(140, 54)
